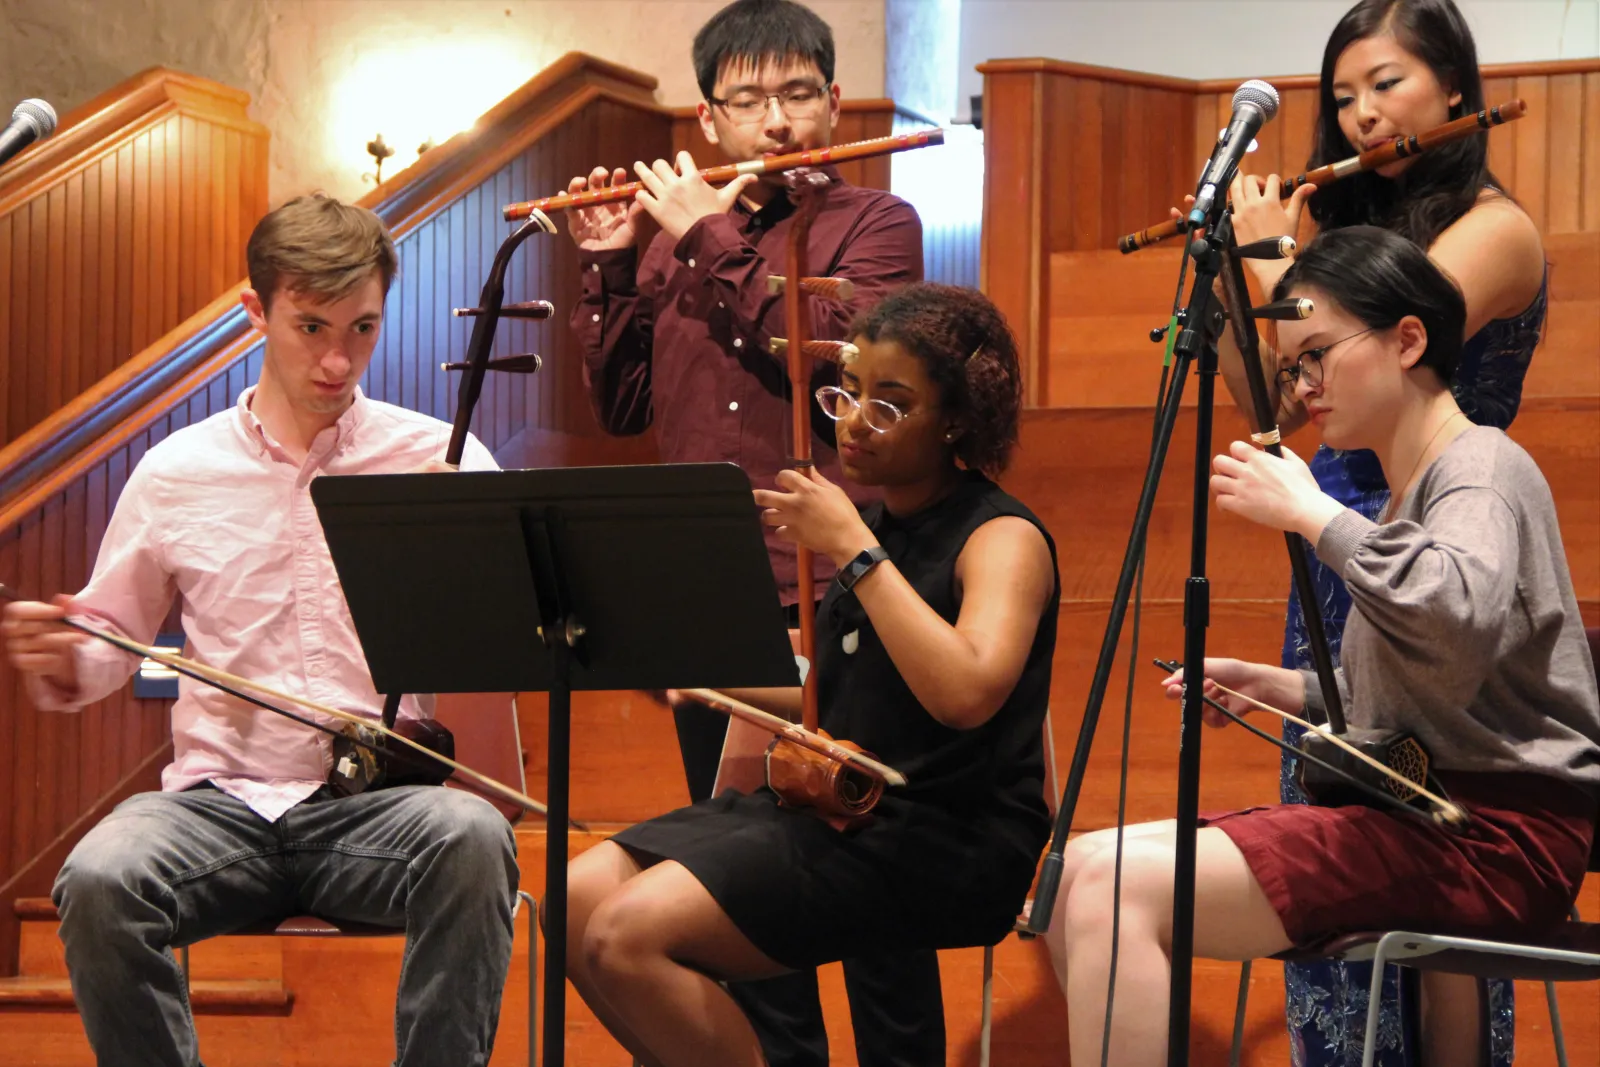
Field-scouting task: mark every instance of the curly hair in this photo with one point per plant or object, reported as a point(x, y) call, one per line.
point(967, 348)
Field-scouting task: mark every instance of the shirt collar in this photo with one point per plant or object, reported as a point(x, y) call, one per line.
point(338, 437)
point(779, 208)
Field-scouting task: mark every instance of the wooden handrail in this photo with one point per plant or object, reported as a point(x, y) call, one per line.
point(105, 417)
point(1283, 82)
point(101, 126)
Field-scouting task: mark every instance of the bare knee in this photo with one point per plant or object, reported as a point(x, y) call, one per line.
point(1146, 890)
point(619, 933)
point(591, 878)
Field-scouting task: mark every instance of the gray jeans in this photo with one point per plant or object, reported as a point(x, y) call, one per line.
point(169, 869)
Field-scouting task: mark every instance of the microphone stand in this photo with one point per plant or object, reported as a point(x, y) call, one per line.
point(1200, 320)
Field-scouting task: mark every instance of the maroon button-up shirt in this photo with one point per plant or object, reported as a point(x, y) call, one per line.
point(679, 340)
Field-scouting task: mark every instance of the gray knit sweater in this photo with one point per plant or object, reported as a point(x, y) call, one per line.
point(1466, 631)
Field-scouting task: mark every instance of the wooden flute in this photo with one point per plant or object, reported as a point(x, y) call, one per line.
point(815, 157)
point(1373, 158)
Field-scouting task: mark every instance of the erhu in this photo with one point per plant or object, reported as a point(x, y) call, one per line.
point(1372, 159)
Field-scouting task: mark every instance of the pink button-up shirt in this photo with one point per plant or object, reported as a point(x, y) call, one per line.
point(221, 516)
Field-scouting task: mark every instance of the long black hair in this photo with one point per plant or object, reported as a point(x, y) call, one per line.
point(1380, 277)
point(1442, 184)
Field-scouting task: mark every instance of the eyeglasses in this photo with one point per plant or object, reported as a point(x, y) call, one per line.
point(748, 107)
point(1290, 376)
point(881, 415)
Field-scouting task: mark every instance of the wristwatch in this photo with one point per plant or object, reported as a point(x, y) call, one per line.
point(869, 558)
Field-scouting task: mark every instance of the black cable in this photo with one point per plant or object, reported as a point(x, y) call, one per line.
point(1127, 743)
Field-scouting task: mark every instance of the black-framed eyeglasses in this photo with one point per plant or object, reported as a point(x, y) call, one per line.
point(1290, 376)
point(881, 415)
point(748, 107)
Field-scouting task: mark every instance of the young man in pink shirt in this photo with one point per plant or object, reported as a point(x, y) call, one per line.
point(245, 827)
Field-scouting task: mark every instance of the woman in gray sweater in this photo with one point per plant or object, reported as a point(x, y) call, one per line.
point(1465, 633)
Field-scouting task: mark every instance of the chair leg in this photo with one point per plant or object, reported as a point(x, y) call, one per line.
point(533, 976)
point(1238, 1015)
point(1555, 1024)
point(1369, 1047)
point(988, 1006)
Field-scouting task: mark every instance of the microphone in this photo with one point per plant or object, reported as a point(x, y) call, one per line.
point(33, 120)
point(1254, 104)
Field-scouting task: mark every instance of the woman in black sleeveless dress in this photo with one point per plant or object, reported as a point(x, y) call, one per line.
point(936, 660)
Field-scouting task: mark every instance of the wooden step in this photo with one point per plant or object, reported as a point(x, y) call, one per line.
point(206, 996)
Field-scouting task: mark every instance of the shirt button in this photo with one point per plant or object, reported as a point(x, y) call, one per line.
point(733, 406)
point(315, 669)
point(595, 267)
point(691, 262)
point(720, 304)
point(738, 342)
point(595, 318)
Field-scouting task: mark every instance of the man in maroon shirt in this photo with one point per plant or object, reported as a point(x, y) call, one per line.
point(677, 338)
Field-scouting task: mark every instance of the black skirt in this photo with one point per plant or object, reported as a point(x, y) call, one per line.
point(912, 877)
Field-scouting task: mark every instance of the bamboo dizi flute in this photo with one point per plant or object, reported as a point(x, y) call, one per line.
point(815, 157)
point(1372, 159)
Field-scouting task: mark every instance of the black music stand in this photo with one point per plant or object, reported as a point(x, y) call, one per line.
point(557, 580)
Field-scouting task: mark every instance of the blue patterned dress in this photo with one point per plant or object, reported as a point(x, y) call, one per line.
point(1327, 1002)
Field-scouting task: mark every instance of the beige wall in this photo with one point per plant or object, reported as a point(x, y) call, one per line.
point(328, 74)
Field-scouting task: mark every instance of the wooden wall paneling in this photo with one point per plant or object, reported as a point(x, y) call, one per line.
point(1534, 142)
point(1018, 208)
point(55, 284)
point(8, 236)
point(1590, 139)
point(1567, 361)
point(1074, 180)
point(1503, 139)
point(1564, 158)
point(136, 156)
point(139, 266)
point(1296, 124)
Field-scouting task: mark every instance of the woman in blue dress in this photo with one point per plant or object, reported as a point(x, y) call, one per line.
point(1393, 68)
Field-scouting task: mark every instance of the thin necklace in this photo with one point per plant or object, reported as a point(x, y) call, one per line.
point(1396, 497)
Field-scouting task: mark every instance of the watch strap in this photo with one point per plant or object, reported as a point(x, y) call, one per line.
point(853, 571)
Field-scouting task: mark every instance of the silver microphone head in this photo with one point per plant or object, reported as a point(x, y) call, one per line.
point(41, 114)
point(1257, 92)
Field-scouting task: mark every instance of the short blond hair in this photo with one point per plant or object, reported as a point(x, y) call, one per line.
point(318, 246)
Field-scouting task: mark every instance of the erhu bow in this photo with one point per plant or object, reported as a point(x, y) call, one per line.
point(1341, 757)
point(379, 743)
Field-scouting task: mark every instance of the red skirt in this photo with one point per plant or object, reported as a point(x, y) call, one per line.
point(1516, 867)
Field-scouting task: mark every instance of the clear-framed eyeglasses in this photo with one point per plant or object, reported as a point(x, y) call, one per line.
point(1309, 364)
point(748, 107)
point(881, 415)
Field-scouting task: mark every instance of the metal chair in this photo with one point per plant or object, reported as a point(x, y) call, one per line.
point(1569, 952)
point(487, 739)
point(1052, 799)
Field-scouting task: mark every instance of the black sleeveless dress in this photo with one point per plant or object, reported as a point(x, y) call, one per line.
point(946, 861)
